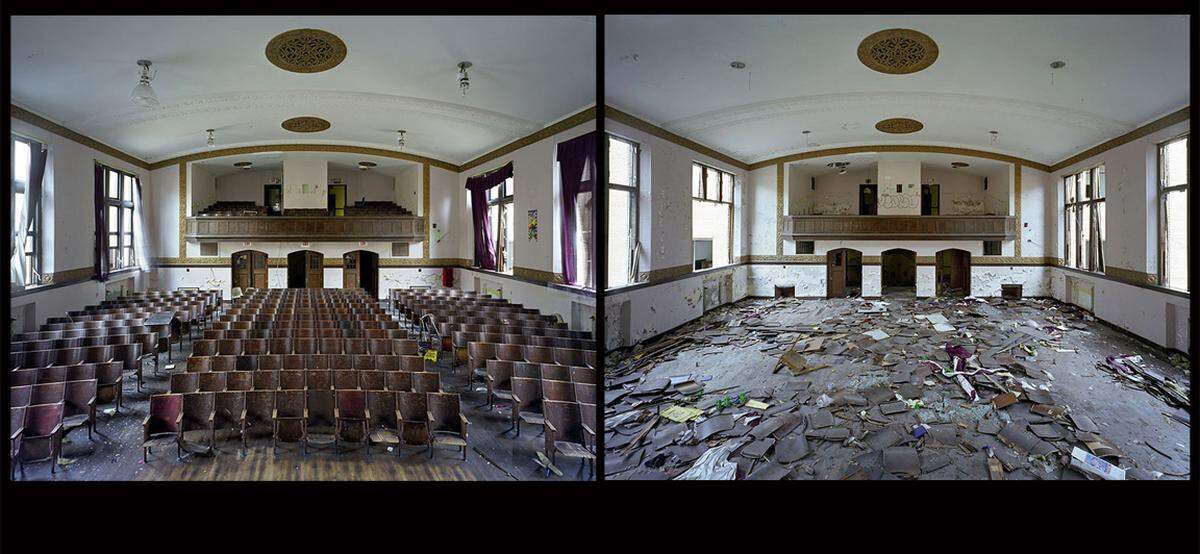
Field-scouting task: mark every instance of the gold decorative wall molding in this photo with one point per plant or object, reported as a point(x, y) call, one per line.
point(656, 275)
point(819, 259)
point(779, 177)
point(183, 211)
point(1017, 207)
point(341, 148)
point(898, 51)
point(537, 275)
point(916, 148)
point(539, 135)
point(306, 51)
point(1152, 127)
point(68, 276)
point(1130, 276)
point(42, 123)
point(329, 261)
point(642, 125)
point(425, 210)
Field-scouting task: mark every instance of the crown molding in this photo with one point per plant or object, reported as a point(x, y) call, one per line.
point(569, 122)
point(1159, 124)
point(643, 125)
point(917, 148)
point(19, 113)
point(301, 147)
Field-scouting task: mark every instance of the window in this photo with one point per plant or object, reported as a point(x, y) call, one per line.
point(991, 248)
point(1173, 218)
point(119, 189)
point(1084, 220)
point(712, 216)
point(31, 256)
point(500, 218)
point(806, 247)
point(622, 210)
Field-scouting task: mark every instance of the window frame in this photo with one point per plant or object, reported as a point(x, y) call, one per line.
point(122, 204)
point(32, 255)
point(1075, 208)
point(703, 197)
point(634, 191)
point(504, 203)
point(1163, 190)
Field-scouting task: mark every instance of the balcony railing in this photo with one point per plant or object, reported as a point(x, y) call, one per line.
point(899, 227)
point(392, 228)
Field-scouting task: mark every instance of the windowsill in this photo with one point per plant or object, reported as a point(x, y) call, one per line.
point(1156, 288)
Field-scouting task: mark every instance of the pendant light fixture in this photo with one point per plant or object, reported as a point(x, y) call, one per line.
point(400, 139)
point(143, 94)
point(212, 142)
point(464, 80)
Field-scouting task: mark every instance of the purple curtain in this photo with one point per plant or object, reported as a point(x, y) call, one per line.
point(485, 251)
point(100, 267)
point(577, 173)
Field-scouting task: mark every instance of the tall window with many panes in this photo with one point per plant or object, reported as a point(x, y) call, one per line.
point(1084, 220)
point(30, 253)
point(500, 218)
point(712, 217)
point(119, 188)
point(622, 211)
point(1173, 218)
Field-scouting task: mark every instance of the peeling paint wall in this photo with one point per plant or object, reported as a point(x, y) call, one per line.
point(639, 314)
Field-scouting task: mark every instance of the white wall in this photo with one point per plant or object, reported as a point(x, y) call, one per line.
point(906, 174)
point(370, 183)
point(203, 191)
point(408, 189)
point(246, 186)
point(305, 183)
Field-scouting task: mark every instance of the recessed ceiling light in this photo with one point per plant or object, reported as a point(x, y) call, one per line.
point(1059, 64)
point(737, 65)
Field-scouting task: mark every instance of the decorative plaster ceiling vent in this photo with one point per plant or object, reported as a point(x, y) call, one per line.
point(958, 165)
point(899, 125)
point(364, 165)
point(243, 165)
point(305, 124)
point(898, 51)
point(306, 51)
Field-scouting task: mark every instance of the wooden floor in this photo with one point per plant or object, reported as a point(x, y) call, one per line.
point(116, 452)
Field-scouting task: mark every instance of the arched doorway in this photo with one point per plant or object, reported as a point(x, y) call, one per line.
point(360, 269)
point(249, 269)
point(953, 275)
point(898, 272)
point(306, 269)
point(843, 273)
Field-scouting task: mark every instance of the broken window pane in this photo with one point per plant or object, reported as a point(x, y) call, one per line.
point(1175, 274)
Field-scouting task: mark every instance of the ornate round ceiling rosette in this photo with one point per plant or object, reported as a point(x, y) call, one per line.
point(306, 51)
point(899, 125)
point(898, 51)
point(305, 124)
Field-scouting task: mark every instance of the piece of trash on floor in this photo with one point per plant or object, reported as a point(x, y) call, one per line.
point(1094, 465)
point(681, 414)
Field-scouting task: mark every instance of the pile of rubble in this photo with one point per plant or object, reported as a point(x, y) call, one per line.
point(928, 388)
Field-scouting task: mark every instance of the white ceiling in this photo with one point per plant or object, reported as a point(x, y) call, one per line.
point(992, 73)
point(399, 73)
point(219, 167)
point(859, 161)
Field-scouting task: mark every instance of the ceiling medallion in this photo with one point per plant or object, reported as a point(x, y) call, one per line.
point(898, 51)
point(243, 165)
point(305, 124)
point(306, 51)
point(899, 125)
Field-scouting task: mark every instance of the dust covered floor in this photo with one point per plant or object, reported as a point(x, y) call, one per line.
point(493, 452)
point(796, 389)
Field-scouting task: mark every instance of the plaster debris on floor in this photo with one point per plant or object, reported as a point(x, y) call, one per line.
point(935, 388)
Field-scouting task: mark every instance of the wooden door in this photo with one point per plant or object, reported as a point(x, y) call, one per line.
point(350, 270)
point(835, 273)
point(868, 199)
point(249, 269)
point(315, 277)
point(953, 274)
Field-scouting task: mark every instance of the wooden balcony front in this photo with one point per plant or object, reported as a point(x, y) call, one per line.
point(326, 229)
point(899, 227)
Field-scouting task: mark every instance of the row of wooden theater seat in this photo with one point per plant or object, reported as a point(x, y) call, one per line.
point(249, 362)
point(41, 415)
point(305, 333)
point(130, 355)
point(449, 327)
point(45, 340)
point(284, 345)
point(382, 417)
point(312, 320)
point(479, 352)
point(284, 311)
point(462, 339)
point(109, 377)
point(307, 379)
